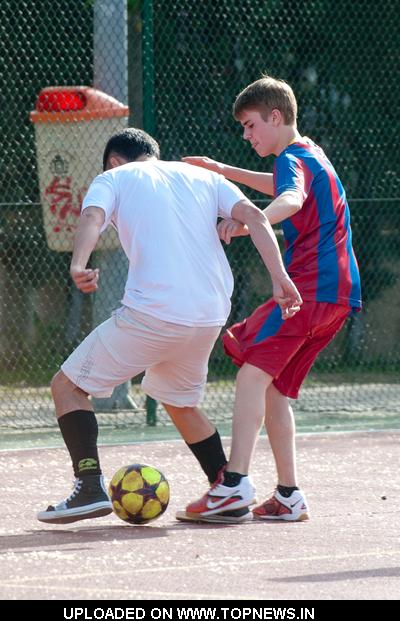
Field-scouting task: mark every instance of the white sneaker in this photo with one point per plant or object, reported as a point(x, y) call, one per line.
point(292, 509)
point(221, 498)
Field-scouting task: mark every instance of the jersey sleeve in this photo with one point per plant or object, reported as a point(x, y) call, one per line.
point(291, 174)
point(101, 193)
point(228, 195)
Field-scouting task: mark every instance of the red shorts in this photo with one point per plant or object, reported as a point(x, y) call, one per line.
point(285, 349)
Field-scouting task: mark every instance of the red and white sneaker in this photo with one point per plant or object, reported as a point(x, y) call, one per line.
point(221, 498)
point(292, 509)
point(237, 516)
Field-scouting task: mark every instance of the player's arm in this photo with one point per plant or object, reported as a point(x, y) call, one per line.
point(283, 206)
point(86, 237)
point(285, 292)
point(263, 182)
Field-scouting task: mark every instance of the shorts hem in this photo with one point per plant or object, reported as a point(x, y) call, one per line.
point(95, 394)
point(273, 373)
point(162, 398)
point(259, 365)
point(290, 394)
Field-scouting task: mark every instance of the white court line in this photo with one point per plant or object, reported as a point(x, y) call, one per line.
point(217, 564)
point(129, 592)
point(224, 437)
point(23, 582)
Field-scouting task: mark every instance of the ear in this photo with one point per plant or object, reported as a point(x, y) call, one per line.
point(276, 117)
point(113, 162)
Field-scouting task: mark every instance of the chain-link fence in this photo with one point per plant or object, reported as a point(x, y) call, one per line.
point(179, 71)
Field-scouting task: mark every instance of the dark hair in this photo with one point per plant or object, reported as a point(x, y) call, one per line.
point(131, 143)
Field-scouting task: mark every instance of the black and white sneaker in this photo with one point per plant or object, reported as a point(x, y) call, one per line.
point(89, 499)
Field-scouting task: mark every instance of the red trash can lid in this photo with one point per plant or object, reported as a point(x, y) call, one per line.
point(75, 103)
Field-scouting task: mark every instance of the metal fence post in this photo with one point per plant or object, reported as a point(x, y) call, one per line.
point(149, 125)
point(151, 412)
point(110, 74)
point(148, 68)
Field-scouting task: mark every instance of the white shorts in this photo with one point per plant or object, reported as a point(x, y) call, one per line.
point(174, 357)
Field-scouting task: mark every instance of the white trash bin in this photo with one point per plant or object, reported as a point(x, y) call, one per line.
point(72, 126)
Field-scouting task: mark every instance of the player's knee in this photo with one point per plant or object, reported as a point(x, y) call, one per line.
point(249, 373)
point(60, 384)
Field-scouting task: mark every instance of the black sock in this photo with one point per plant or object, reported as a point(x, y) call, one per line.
point(79, 430)
point(231, 479)
point(286, 491)
point(210, 454)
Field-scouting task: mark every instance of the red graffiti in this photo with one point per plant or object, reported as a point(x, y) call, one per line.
point(63, 205)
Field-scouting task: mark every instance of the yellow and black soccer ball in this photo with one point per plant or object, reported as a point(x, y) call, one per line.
point(139, 493)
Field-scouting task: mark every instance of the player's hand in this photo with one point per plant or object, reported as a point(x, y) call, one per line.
point(287, 296)
point(203, 162)
point(85, 279)
point(229, 228)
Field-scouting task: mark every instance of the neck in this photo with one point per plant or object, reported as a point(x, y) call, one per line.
point(289, 134)
point(145, 158)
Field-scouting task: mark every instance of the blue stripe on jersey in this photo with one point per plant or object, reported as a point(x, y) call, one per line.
point(328, 267)
point(271, 325)
point(291, 233)
point(285, 180)
point(329, 264)
point(355, 293)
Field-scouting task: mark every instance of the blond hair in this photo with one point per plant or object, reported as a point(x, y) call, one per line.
point(265, 95)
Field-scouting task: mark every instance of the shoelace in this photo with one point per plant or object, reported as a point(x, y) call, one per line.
point(77, 488)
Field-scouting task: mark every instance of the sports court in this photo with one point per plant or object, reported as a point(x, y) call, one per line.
point(348, 550)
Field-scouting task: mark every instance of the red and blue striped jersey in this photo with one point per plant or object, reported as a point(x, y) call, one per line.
point(319, 255)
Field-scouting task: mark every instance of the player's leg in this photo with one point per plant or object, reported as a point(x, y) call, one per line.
point(67, 396)
point(204, 441)
point(256, 345)
point(234, 489)
point(201, 437)
point(78, 426)
point(248, 415)
point(281, 429)
point(191, 422)
point(288, 502)
point(101, 362)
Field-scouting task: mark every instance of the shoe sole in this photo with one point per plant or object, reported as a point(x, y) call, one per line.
point(183, 516)
point(234, 506)
point(282, 518)
point(67, 518)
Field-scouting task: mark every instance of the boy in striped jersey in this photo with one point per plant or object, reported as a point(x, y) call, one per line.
point(275, 356)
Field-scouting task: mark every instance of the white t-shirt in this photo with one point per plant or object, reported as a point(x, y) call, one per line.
point(166, 217)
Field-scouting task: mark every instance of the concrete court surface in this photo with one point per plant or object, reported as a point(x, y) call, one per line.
point(350, 549)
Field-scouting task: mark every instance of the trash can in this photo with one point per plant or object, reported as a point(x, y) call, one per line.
point(72, 126)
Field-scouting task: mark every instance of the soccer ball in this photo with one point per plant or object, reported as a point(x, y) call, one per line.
point(139, 493)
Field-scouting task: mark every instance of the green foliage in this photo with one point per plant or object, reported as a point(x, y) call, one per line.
point(34, 366)
point(134, 6)
point(23, 247)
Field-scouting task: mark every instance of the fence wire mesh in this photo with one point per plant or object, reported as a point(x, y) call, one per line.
point(187, 60)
